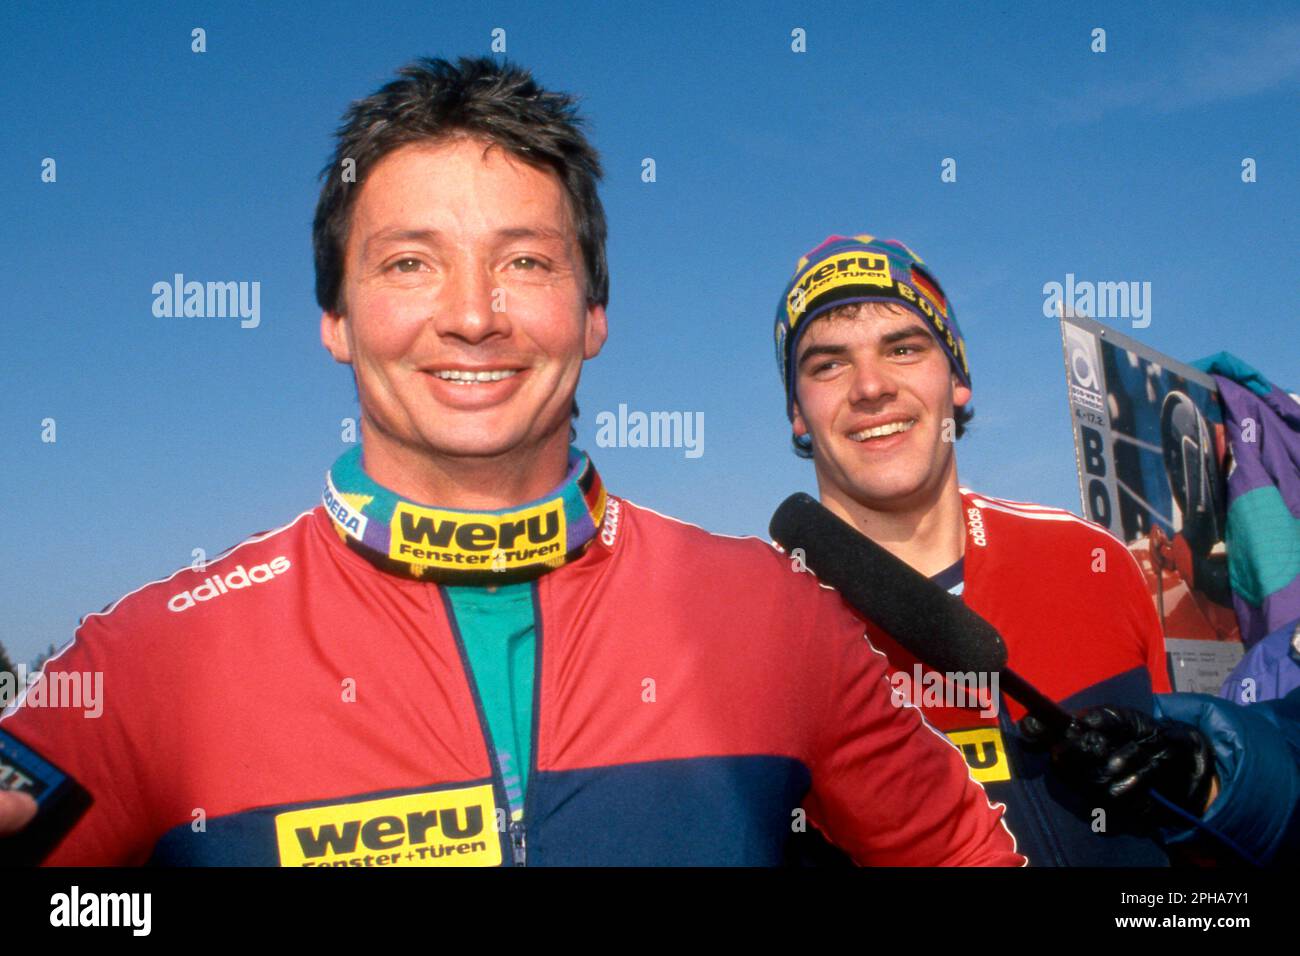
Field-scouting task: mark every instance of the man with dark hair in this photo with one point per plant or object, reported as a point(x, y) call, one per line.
point(471, 653)
point(474, 99)
point(877, 379)
point(961, 414)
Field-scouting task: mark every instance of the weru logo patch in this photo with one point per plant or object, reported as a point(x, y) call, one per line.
point(435, 538)
point(851, 268)
point(985, 753)
point(441, 828)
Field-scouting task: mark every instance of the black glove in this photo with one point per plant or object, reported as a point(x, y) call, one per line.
point(1117, 755)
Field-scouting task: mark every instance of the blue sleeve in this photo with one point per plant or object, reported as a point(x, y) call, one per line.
point(1257, 757)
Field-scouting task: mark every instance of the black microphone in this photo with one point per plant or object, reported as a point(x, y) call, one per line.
point(934, 626)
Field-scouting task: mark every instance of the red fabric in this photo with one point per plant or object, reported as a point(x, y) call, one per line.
point(239, 700)
point(1067, 597)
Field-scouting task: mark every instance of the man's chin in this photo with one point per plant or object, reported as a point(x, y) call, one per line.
point(488, 437)
point(894, 494)
point(471, 446)
point(887, 502)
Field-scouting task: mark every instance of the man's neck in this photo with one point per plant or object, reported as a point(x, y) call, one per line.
point(929, 535)
point(473, 483)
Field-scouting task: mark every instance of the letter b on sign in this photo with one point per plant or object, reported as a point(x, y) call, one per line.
point(1094, 464)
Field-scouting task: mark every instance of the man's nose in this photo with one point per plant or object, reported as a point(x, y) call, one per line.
point(471, 306)
point(872, 381)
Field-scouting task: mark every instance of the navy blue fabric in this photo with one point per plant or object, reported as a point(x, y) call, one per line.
point(248, 838)
point(706, 811)
point(712, 811)
point(1051, 821)
point(950, 576)
point(1052, 824)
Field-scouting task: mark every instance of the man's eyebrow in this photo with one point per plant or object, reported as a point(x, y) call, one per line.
point(912, 330)
point(533, 232)
point(399, 235)
point(433, 235)
point(889, 338)
point(815, 350)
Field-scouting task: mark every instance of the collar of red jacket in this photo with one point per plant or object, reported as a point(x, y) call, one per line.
point(454, 546)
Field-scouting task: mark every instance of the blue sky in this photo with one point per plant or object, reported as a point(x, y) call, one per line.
point(176, 434)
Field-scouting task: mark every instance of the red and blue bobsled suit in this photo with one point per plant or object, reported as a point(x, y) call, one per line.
point(1079, 624)
point(322, 715)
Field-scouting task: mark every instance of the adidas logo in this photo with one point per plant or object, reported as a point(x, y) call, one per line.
point(237, 579)
point(975, 521)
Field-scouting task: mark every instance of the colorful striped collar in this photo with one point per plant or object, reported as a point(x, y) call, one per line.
point(452, 546)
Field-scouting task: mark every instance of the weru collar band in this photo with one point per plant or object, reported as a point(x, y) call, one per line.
point(453, 546)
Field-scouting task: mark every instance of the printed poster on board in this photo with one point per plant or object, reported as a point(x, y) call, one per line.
point(1152, 454)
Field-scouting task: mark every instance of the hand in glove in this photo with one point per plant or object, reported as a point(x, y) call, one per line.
point(1116, 755)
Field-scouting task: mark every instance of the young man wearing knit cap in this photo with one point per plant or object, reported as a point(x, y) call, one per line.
point(878, 386)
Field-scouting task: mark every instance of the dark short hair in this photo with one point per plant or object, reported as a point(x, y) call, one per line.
point(434, 100)
point(961, 414)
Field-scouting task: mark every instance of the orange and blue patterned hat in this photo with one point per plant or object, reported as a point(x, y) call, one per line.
point(847, 269)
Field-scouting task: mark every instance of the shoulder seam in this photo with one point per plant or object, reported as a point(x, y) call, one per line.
point(1038, 513)
point(251, 539)
point(1046, 513)
point(1026, 506)
point(715, 534)
point(970, 774)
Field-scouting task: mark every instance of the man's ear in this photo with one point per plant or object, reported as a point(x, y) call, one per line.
point(797, 423)
point(597, 332)
point(334, 336)
point(961, 394)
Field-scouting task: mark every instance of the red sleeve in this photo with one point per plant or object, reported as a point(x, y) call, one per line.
point(1145, 622)
point(874, 761)
point(87, 736)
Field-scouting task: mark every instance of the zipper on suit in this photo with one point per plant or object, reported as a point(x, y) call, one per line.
point(521, 835)
point(515, 831)
point(519, 838)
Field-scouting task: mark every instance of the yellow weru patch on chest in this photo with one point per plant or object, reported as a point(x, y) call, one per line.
point(439, 828)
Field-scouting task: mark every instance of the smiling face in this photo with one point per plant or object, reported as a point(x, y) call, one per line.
point(466, 319)
point(873, 389)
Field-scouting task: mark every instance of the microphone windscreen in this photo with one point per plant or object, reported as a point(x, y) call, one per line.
point(935, 626)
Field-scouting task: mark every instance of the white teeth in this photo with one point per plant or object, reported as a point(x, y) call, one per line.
point(468, 378)
point(883, 430)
